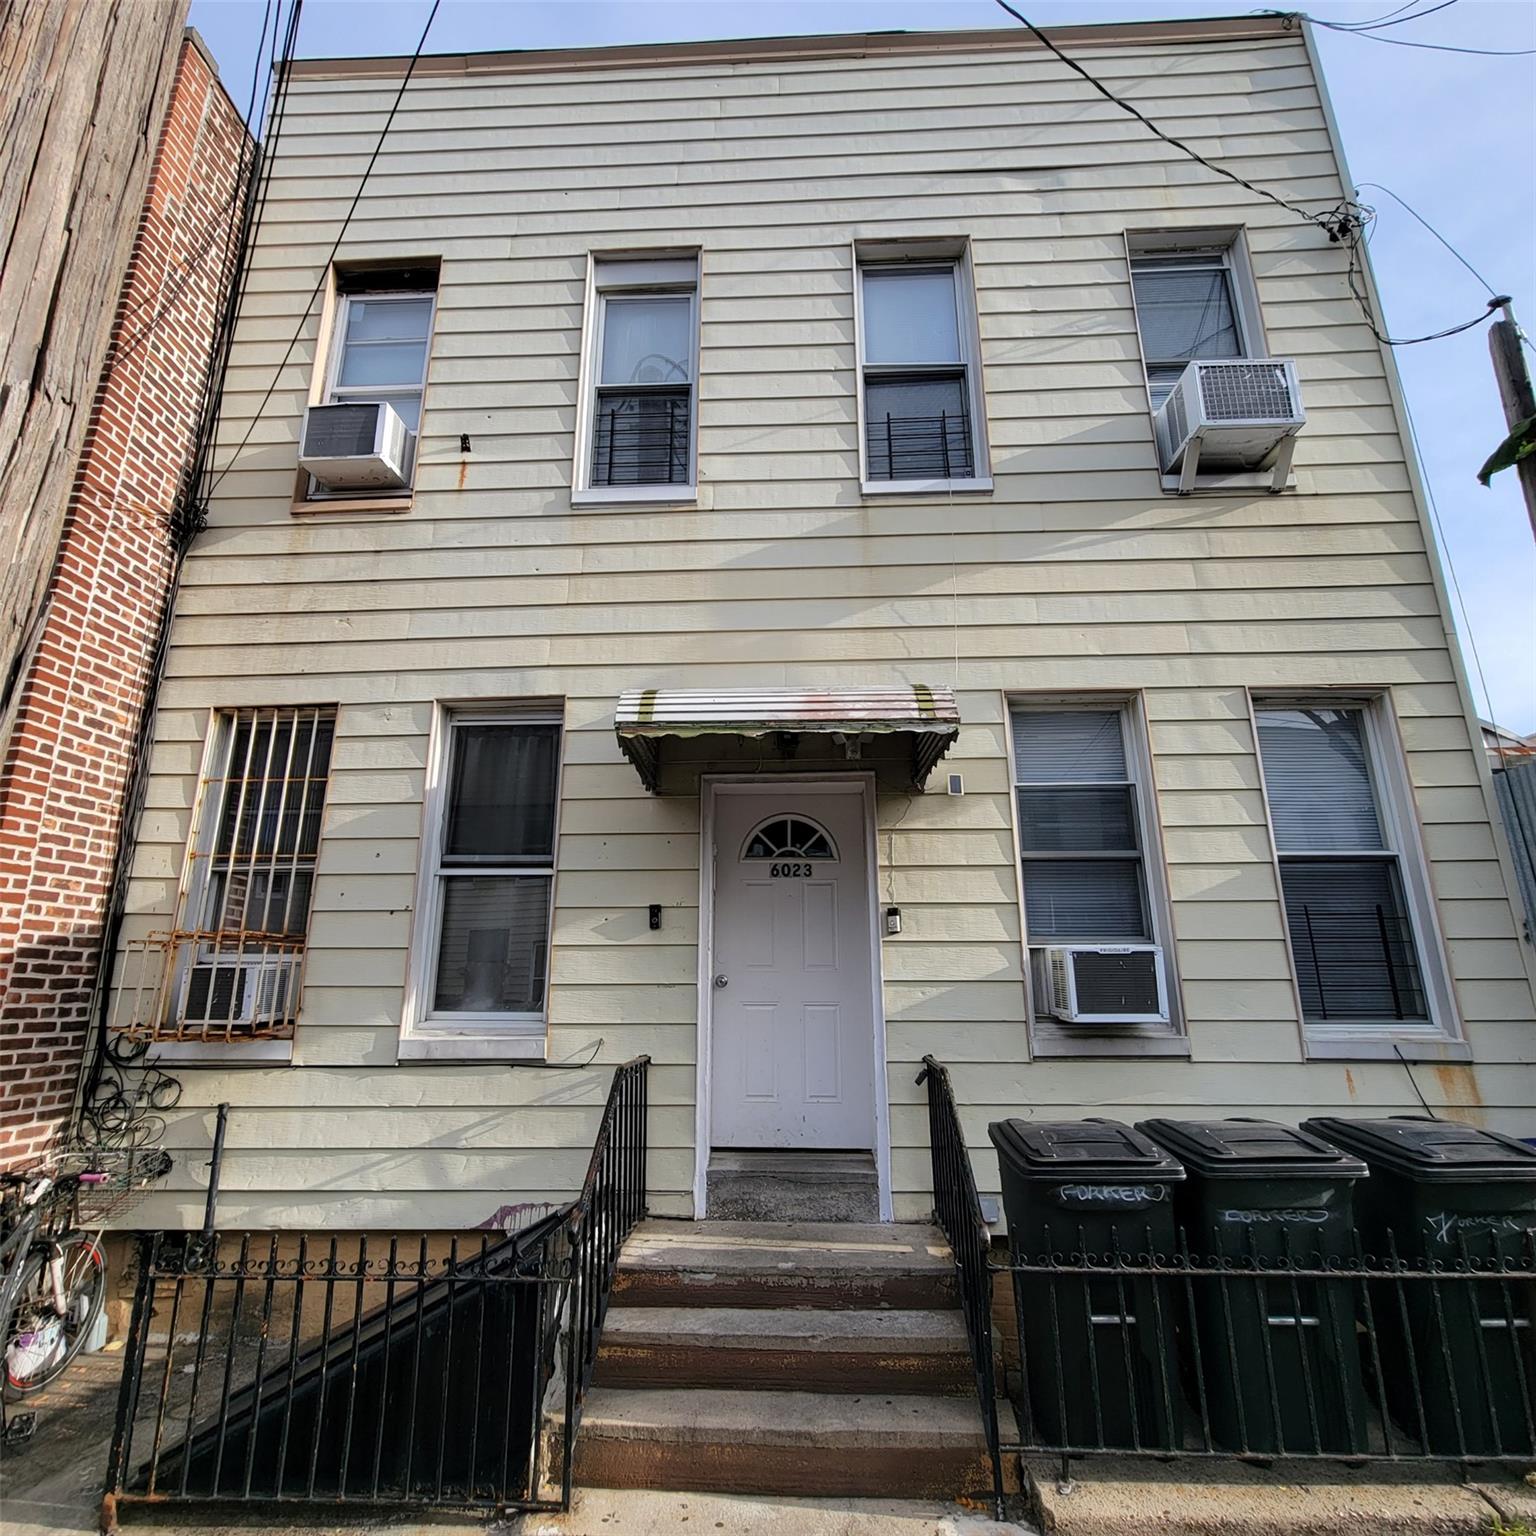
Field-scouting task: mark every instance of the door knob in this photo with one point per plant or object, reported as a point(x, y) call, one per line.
point(722, 980)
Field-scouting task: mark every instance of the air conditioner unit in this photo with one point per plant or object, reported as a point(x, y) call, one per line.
point(259, 991)
point(359, 445)
point(1238, 415)
point(1105, 984)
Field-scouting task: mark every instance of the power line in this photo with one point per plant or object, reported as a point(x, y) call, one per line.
point(1407, 208)
point(1344, 223)
point(1404, 42)
point(325, 270)
point(1146, 122)
point(1383, 22)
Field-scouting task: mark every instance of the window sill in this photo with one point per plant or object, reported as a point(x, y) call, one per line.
point(1228, 483)
point(223, 1053)
point(482, 1047)
point(1123, 1042)
point(980, 484)
point(628, 495)
point(1406, 1048)
point(332, 505)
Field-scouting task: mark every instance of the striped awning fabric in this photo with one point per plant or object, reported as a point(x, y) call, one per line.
point(647, 717)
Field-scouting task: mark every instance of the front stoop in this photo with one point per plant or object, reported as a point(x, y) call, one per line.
point(791, 1359)
point(783, 1442)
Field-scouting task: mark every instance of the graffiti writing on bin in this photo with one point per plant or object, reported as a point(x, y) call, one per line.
point(1306, 1214)
point(1444, 1226)
point(1119, 1197)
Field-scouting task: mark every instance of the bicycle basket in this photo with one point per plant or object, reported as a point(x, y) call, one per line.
point(129, 1174)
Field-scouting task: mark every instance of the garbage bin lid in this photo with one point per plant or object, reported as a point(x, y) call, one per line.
point(1432, 1150)
point(1080, 1149)
point(1251, 1149)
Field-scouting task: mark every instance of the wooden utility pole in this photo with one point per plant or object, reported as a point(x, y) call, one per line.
point(1514, 376)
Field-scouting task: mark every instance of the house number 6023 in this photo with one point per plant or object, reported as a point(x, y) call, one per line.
point(789, 871)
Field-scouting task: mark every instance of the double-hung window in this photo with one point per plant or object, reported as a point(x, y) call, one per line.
point(1193, 300)
point(1087, 876)
point(919, 382)
point(238, 956)
point(1350, 895)
point(381, 333)
point(641, 371)
point(490, 870)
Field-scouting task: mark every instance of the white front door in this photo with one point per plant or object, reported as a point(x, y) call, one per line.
point(793, 1037)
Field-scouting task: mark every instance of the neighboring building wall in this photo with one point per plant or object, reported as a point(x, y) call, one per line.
point(79, 702)
point(1076, 573)
point(82, 94)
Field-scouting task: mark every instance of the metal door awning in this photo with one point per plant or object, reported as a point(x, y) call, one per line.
point(654, 724)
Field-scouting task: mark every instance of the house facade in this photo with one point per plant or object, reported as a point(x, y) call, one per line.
point(128, 231)
point(696, 572)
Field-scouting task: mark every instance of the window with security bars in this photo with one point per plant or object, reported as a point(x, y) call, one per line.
point(494, 856)
point(1189, 305)
point(1080, 836)
point(1346, 903)
point(642, 408)
point(236, 966)
point(918, 374)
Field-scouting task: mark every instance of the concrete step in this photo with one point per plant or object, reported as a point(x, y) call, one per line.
point(790, 1264)
point(786, 1350)
point(874, 1446)
point(793, 1186)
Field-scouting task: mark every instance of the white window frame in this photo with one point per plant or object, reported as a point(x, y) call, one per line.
point(1227, 246)
point(1442, 1038)
point(1048, 1035)
point(633, 275)
point(333, 393)
point(461, 1034)
point(925, 255)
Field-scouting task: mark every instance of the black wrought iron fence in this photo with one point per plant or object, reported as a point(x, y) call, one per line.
point(1258, 1358)
point(1256, 1352)
point(957, 1207)
point(351, 1368)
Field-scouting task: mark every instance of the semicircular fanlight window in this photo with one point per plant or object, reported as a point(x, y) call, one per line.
point(789, 837)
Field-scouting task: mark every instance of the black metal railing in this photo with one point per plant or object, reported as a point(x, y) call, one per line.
point(641, 438)
point(1251, 1357)
point(920, 447)
point(1257, 1351)
point(395, 1370)
point(957, 1208)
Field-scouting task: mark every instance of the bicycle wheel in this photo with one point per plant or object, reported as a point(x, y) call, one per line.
point(39, 1344)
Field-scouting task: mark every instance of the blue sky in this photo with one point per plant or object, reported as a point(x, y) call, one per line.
point(1451, 134)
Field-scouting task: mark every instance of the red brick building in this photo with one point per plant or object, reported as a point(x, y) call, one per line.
point(77, 704)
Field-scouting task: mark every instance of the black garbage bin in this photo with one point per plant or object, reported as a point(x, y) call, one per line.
point(1276, 1352)
point(1099, 1360)
point(1458, 1356)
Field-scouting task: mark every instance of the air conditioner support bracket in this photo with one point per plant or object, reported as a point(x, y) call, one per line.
point(1191, 467)
point(1282, 469)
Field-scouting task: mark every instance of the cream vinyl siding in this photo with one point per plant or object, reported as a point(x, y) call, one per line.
point(1075, 575)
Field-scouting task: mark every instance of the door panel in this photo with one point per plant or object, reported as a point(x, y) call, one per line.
point(792, 1048)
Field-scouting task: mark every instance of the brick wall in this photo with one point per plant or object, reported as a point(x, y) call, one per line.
point(69, 755)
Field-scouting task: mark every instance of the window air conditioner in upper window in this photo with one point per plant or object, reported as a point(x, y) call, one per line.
point(1104, 984)
point(357, 445)
point(1231, 415)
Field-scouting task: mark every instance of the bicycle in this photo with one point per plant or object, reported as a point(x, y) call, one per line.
point(53, 1272)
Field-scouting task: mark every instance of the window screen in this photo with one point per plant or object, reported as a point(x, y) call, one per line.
point(496, 867)
point(1185, 309)
point(1345, 906)
point(1079, 828)
point(642, 401)
point(916, 374)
